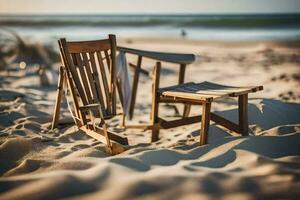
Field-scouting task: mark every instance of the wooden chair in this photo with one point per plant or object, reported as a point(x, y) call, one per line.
point(189, 94)
point(88, 69)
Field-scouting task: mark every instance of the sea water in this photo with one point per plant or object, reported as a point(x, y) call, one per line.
point(254, 27)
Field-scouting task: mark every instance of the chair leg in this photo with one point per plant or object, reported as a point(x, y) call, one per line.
point(154, 118)
point(243, 114)
point(186, 110)
point(58, 98)
point(155, 103)
point(205, 118)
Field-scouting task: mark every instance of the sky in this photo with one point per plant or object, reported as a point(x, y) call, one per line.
point(147, 6)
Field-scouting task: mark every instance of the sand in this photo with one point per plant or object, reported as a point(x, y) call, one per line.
point(38, 163)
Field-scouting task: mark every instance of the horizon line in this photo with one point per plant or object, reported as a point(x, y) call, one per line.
point(157, 13)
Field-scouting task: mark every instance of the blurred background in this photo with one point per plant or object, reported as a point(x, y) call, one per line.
point(225, 20)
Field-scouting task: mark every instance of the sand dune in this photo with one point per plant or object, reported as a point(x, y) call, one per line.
point(38, 163)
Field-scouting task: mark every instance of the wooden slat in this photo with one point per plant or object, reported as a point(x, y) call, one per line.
point(107, 58)
point(230, 90)
point(179, 122)
point(166, 99)
point(135, 87)
point(191, 96)
point(70, 66)
point(88, 46)
point(205, 91)
point(104, 80)
point(94, 134)
point(113, 136)
point(139, 126)
point(82, 74)
point(96, 79)
point(91, 79)
point(179, 58)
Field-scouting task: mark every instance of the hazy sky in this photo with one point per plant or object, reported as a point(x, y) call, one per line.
point(148, 6)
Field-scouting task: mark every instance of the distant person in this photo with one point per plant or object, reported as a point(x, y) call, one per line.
point(183, 33)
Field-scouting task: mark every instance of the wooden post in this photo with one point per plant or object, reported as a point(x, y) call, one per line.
point(66, 60)
point(112, 73)
point(186, 110)
point(205, 118)
point(154, 110)
point(58, 97)
point(181, 73)
point(187, 107)
point(243, 114)
point(135, 86)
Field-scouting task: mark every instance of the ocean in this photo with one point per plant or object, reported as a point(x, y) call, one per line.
point(259, 27)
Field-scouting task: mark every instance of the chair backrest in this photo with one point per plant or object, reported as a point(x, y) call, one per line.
point(90, 68)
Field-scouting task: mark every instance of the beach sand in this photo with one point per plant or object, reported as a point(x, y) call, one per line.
point(38, 163)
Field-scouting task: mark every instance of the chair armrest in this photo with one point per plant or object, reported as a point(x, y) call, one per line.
point(177, 58)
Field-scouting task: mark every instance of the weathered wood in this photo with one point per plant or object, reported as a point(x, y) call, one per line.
point(243, 114)
point(104, 81)
point(112, 39)
point(205, 91)
point(59, 95)
point(88, 46)
point(205, 118)
point(83, 79)
point(178, 58)
point(181, 73)
point(69, 80)
point(94, 134)
point(91, 79)
point(225, 122)
point(96, 80)
point(70, 66)
point(135, 87)
point(116, 148)
point(186, 110)
point(139, 126)
point(82, 75)
point(107, 58)
point(143, 71)
point(165, 99)
point(179, 122)
point(114, 136)
point(155, 98)
point(187, 107)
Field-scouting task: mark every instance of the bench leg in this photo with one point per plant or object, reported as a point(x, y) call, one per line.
point(243, 114)
point(205, 118)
